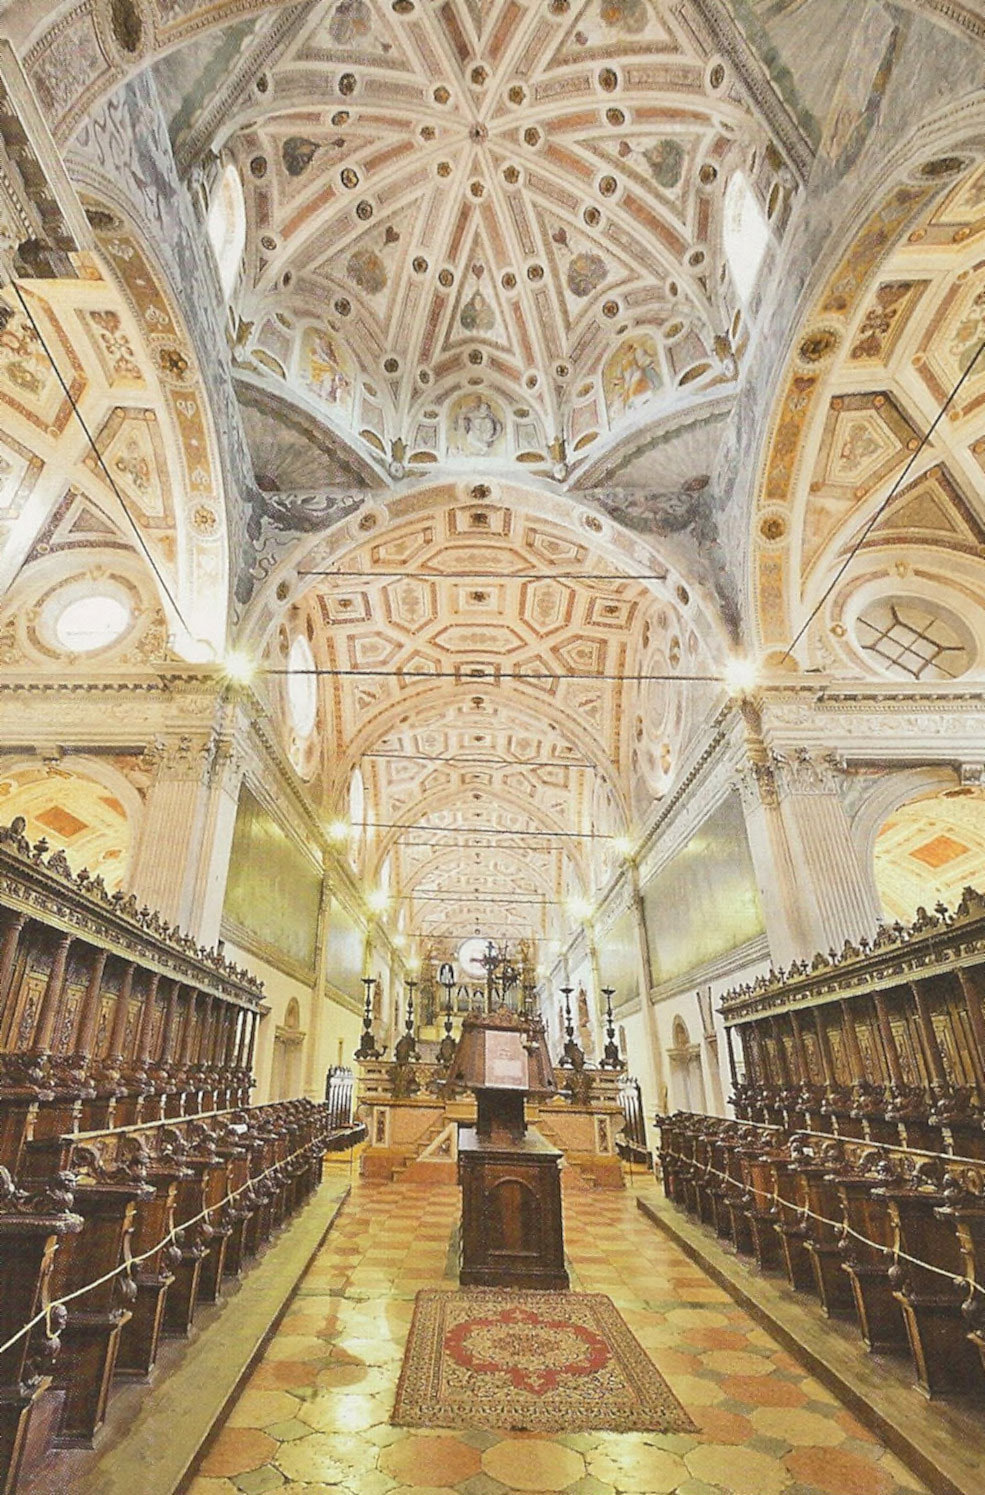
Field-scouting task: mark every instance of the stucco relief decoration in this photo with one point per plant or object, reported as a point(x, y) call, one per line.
point(910, 318)
point(422, 727)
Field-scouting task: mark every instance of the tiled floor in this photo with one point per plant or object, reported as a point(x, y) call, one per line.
point(314, 1416)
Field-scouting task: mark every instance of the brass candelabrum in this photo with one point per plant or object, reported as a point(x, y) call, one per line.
point(405, 1051)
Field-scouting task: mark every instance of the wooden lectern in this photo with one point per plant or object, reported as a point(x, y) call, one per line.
point(512, 1235)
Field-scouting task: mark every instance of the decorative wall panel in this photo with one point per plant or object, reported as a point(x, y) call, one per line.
point(344, 950)
point(273, 891)
point(705, 902)
point(619, 963)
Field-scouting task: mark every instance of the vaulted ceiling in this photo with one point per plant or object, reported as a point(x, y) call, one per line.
point(504, 683)
point(509, 380)
point(490, 231)
point(877, 456)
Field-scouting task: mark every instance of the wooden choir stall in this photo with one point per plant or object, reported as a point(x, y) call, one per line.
point(512, 1233)
point(137, 1181)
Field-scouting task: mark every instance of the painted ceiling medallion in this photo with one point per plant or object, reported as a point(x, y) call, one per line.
point(444, 103)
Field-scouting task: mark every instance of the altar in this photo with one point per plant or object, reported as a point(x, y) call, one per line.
point(512, 1230)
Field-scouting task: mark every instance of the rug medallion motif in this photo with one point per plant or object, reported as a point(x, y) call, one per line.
point(529, 1360)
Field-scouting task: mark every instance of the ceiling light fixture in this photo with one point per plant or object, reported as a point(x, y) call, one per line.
point(239, 667)
point(579, 908)
point(740, 675)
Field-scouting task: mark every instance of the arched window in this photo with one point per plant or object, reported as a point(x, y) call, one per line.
point(302, 686)
point(357, 809)
point(227, 227)
point(745, 234)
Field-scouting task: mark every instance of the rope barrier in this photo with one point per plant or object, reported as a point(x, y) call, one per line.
point(131, 1261)
point(841, 1226)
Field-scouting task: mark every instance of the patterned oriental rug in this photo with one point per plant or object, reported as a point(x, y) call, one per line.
point(530, 1361)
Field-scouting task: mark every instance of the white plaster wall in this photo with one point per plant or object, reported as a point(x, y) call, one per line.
point(684, 1004)
point(337, 1025)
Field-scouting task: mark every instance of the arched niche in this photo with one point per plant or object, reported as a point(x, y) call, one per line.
point(687, 1081)
point(285, 1071)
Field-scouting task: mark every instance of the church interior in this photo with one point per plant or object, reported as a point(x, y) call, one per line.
point(492, 747)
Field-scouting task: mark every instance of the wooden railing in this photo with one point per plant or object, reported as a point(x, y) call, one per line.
point(107, 1015)
point(135, 1178)
point(135, 1229)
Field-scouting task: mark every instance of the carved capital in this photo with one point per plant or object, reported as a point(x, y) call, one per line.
point(757, 783)
point(187, 758)
point(804, 772)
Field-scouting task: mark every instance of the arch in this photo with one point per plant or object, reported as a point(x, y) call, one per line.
point(288, 1053)
point(424, 702)
point(930, 846)
point(536, 499)
point(451, 798)
point(928, 169)
point(80, 804)
point(890, 791)
point(680, 1034)
point(123, 45)
point(198, 570)
point(687, 1081)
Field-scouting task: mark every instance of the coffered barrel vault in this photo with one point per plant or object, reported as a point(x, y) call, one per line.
point(534, 481)
point(504, 685)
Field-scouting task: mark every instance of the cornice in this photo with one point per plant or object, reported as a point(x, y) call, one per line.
point(51, 893)
point(939, 941)
point(722, 968)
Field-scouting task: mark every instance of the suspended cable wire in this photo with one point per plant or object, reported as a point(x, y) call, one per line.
point(615, 576)
point(881, 509)
point(141, 542)
point(480, 762)
point(529, 851)
point(478, 898)
point(477, 674)
point(481, 830)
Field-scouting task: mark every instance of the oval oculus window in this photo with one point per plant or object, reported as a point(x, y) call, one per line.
point(302, 686)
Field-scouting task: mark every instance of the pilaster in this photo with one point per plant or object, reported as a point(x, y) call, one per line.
point(181, 859)
point(815, 892)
